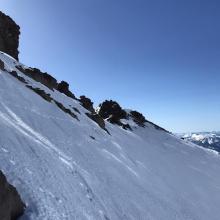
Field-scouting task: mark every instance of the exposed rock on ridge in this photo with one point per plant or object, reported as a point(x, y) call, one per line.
point(87, 103)
point(47, 80)
point(138, 118)
point(9, 36)
point(108, 110)
point(2, 65)
point(63, 87)
point(111, 111)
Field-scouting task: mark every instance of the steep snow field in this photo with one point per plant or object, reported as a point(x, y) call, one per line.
point(62, 173)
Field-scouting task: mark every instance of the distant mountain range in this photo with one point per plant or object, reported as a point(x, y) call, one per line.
point(210, 140)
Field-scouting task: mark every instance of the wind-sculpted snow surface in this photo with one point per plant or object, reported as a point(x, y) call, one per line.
point(62, 173)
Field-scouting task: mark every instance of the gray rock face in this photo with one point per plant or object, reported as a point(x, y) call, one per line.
point(11, 206)
point(87, 103)
point(2, 65)
point(9, 36)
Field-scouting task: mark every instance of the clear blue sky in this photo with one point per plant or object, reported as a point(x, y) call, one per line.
point(159, 57)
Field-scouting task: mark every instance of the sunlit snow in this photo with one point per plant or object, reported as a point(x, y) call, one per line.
point(61, 173)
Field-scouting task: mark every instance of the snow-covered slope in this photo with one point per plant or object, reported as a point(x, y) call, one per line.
point(72, 169)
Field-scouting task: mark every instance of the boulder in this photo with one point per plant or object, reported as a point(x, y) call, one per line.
point(11, 205)
point(111, 111)
point(87, 103)
point(2, 65)
point(63, 87)
point(9, 36)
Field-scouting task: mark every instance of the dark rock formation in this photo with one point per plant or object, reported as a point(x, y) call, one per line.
point(126, 127)
point(15, 74)
point(87, 103)
point(41, 93)
point(93, 138)
point(66, 110)
point(138, 118)
point(39, 76)
point(9, 36)
point(98, 119)
point(9, 42)
point(63, 87)
point(141, 121)
point(111, 111)
point(47, 80)
point(2, 65)
point(76, 110)
point(11, 205)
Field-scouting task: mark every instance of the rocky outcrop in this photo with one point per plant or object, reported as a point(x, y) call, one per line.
point(63, 87)
point(11, 205)
point(47, 80)
point(98, 119)
point(2, 65)
point(39, 76)
point(126, 126)
point(41, 93)
point(15, 74)
point(111, 111)
point(141, 121)
point(66, 110)
point(138, 118)
point(86, 103)
point(9, 36)
point(9, 42)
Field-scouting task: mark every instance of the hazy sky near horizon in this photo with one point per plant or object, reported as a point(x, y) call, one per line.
point(159, 57)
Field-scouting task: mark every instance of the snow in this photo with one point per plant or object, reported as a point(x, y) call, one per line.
point(198, 137)
point(63, 174)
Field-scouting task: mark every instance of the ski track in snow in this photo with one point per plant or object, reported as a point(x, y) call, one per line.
point(13, 120)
